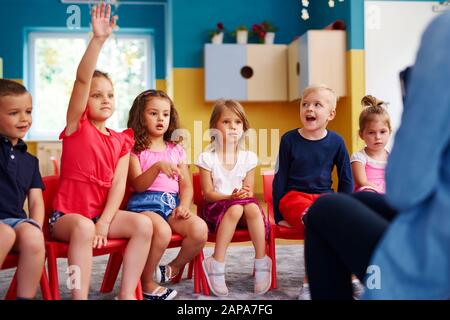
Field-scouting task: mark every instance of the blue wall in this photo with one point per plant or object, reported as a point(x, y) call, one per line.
point(15, 15)
point(192, 20)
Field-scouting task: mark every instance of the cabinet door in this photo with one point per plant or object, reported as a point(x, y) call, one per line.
point(1, 68)
point(323, 60)
point(269, 66)
point(223, 79)
point(294, 70)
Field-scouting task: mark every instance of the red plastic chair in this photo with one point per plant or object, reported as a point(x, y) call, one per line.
point(276, 231)
point(240, 235)
point(11, 261)
point(57, 249)
point(115, 261)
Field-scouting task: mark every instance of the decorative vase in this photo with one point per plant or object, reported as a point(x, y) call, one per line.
point(217, 38)
point(269, 38)
point(242, 36)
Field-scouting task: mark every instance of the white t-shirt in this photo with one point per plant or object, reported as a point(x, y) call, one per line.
point(363, 157)
point(225, 181)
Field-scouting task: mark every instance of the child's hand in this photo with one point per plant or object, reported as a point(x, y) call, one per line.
point(101, 233)
point(101, 24)
point(239, 194)
point(169, 169)
point(181, 212)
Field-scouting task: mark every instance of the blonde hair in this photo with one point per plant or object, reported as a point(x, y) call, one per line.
point(231, 105)
point(318, 87)
point(373, 108)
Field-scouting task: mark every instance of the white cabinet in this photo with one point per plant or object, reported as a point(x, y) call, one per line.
point(317, 57)
point(252, 72)
point(1, 68)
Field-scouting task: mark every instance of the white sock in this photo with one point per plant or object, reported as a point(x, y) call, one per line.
point(260, 264)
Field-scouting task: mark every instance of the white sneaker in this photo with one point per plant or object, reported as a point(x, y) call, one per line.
point(304, 292)
point(263, 275)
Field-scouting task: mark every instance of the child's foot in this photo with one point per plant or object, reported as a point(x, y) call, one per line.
point(263, 275)
point(164, 274)
point(160, 293)
point(215, 275)
point(304, 292)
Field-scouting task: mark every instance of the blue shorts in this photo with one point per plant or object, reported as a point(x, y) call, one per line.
point(14, 222)
point(58, 214)
point(161, 203)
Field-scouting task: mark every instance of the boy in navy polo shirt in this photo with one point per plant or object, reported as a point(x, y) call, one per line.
point(19, 178)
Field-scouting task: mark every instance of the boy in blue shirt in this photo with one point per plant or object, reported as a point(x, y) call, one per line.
point(20, 178)
point(306, 159)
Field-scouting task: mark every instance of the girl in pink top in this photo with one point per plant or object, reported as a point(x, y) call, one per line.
point(369, 163)
point(93, 174)
point(159, 175)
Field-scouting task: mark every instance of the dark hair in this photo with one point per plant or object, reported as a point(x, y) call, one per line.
point(136, 119)
point(11, 88)
point(373, 108)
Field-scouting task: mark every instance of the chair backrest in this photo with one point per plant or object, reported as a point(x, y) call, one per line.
point(198, 195)
point(51, 184)
point(267, 186)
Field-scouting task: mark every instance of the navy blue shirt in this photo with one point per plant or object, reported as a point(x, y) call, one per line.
point(307, 165)
point(19, 172)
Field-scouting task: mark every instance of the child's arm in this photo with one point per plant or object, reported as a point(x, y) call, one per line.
point(186, 194)
point(344, 170)
point(36, 205)
point(248, 184)
point(113, 201)
point(280, 180)
point(359, 174)
point(102, 28)
point(141, 181)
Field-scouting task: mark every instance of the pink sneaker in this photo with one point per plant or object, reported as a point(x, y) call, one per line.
point(263, 275)
point(215, 275)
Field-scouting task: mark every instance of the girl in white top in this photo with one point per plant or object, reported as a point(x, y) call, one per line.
point(227, 178)
point(369, 163)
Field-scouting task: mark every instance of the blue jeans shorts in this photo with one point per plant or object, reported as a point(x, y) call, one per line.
point(14, 222)
point(161, 203)
point(58, 214)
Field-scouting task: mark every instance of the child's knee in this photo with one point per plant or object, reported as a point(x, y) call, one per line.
point(83, 229)
point(235, 212)
point(199, 231)
point(143, 227)
point(162, 232)
point(32, 240)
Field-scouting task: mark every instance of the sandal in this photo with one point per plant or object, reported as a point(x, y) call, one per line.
point(163, 274)
point(157, 294)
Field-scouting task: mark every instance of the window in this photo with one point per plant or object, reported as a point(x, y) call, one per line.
point(53, 61)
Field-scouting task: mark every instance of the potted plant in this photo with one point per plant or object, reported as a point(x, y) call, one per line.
point(241, 34)
point(217, 34)
point(265, 32)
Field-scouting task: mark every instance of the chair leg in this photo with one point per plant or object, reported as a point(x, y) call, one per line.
point(12, 291)
point(202, 284)
point(190, 269)
point(53, 273)
point(111, 272)
point(272, 255)
point(139, 295)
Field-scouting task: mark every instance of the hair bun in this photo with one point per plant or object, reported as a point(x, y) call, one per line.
point(371, 101)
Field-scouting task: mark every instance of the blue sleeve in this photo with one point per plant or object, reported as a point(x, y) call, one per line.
point(279, 185)
point(36, 182)
point(413, 166)
point(344, 170)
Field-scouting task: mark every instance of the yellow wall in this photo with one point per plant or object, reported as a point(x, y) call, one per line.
point(284, 116)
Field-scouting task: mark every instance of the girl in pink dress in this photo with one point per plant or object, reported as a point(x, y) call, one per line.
point(94, 167)
point(163, 191)
point(375, 129)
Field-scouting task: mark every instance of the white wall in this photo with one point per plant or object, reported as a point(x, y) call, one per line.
point(392, 36)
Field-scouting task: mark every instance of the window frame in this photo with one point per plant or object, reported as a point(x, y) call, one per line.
point(31, 34)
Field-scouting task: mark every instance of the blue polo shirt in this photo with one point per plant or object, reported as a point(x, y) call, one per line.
point(19, 172)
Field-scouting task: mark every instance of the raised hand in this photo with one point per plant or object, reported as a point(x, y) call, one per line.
point(102, 23)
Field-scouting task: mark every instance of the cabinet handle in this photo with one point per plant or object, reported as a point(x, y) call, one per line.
point(297, 69)
point(246, 72)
